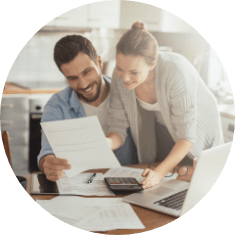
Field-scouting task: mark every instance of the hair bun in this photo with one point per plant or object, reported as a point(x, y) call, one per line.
point(139, 25)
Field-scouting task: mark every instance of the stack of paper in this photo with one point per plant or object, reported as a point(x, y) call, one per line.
point(93, 214)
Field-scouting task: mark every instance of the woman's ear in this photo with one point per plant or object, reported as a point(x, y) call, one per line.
point(153, 65)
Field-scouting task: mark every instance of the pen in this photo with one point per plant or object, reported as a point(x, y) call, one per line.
point(91, 179)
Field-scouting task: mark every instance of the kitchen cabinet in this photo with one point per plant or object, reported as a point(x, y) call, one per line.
point(120, 15)
point(95, 15)
point(15, 120)
point(227, 121)
point(228, 128)
point(131, 12)
point(16, 110)
point(156, 19)
point(74, 18)
point(104, 14)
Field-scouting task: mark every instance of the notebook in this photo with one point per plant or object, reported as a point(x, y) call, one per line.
point(176, 197)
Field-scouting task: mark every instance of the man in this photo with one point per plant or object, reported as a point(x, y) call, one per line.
point(87, 95)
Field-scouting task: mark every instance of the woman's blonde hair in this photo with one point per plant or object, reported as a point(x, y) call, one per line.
point(138, 42)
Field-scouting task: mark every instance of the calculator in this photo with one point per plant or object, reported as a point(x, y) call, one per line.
point(123, 184)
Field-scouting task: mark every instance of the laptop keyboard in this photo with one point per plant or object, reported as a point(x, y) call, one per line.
point(174, 201)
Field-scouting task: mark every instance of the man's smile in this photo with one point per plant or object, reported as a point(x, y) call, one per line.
point(88, 88)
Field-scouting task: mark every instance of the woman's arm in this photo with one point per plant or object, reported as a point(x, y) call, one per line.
point(178, 152)
point(181, 93)
point(117, 122)
point(176, 155)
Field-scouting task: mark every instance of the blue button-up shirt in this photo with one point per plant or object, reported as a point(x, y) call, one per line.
point(64, 105)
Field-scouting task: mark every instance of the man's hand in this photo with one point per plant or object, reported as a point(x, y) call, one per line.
point(53, 167)
point(152, 178)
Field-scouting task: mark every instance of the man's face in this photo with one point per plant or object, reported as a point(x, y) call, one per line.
point(84, 77)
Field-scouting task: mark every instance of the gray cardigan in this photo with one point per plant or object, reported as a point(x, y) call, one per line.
point(188, 107)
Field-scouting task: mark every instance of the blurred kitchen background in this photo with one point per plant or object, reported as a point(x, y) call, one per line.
point(34, 77)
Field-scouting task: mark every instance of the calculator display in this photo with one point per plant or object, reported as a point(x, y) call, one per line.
point(123, 184)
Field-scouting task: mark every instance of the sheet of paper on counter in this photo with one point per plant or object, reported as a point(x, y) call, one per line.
point(93, 214)
point(77, 185)
point(70, 209)
point(132, 172)
point(82, 142)
point(115, 214)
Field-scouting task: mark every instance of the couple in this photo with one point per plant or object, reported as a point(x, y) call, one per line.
point(158, 97)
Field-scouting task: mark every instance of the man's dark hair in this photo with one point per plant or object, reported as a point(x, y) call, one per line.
point(68, 47)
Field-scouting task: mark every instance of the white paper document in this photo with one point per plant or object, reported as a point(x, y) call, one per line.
point(78, 185)
point(132, 172)
point(93, 214)
point(82, 142)
point(115, 214)
point(70, 209)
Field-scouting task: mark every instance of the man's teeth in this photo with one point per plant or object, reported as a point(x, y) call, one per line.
point(88, 89)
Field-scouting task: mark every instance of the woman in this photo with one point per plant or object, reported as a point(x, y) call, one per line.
point(172, 114)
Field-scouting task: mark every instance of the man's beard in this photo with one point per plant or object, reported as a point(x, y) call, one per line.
point(96, 96)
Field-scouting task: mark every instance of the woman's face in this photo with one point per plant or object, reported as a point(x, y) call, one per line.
point(132, 70)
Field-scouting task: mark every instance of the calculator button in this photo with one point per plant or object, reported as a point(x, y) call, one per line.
point(110, 181)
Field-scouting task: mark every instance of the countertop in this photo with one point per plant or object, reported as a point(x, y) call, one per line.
point(11, 88)
point(227, 110)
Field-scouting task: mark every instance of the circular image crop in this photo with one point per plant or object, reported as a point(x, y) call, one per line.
point(117, 117)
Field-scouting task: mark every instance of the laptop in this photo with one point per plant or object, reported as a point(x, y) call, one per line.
point(176, 197)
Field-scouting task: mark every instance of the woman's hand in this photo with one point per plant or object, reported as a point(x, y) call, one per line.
point(152, 178)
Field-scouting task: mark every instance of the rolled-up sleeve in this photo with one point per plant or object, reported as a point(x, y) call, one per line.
point(183, 105)
point(118, 121)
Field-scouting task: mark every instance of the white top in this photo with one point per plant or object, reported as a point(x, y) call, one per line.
point(147, 106)
point(101, 111)
point(152, 107)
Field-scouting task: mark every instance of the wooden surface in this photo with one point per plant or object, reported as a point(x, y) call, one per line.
point(150, 219)
point(16, 89)
point(6, 144)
